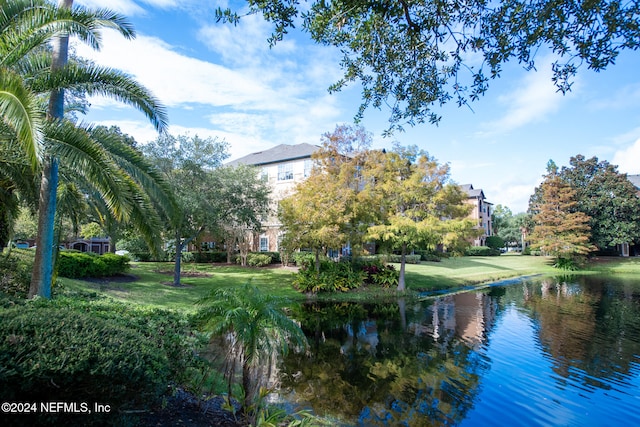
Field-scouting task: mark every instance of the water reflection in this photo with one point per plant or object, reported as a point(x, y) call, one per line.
point(554, 351)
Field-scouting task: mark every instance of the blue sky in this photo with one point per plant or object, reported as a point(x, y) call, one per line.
point(221, 81)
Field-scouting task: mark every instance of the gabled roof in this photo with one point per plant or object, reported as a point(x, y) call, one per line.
point(277, 154)
point(635, 180)
point(472, 192)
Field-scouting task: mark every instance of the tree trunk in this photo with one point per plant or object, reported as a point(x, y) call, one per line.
point(43, 262)
point(180, 245)
point(401, 285)
point(178, 263)
point(250, 392)
point(317, 261)
point(5, 220)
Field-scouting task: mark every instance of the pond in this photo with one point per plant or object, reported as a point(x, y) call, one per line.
point(561, 351)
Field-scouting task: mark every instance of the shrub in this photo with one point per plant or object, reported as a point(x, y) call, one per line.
point(137, 247)
point(85, 352)
point(333, 276)
point(380, 274)
point(255, 259)
point(75, 264)
point(210, 256)
point(304, 259)
point(481, 251)
point(15, 273)
point(275, 256)
point(428, 255)
point(409, 259)
point(494, 242)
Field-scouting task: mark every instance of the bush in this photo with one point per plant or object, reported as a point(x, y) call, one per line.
point(15, 273)
point(380, 274)
point(76, 265)
point(333, 276)
point(275, 256)
point(102, 352)
point(137, 247)
point(428, 255)
point(255, 259)
point(494, 242)
point(304, 259)
point(210, 256)
point(408, 259)
point(482, 251)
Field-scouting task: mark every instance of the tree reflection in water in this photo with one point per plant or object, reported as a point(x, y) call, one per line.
point(427, 363)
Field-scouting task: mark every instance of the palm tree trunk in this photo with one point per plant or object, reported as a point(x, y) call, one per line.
point(43, 262)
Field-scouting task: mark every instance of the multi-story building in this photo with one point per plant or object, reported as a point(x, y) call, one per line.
point(283, 166)
point(481, 212)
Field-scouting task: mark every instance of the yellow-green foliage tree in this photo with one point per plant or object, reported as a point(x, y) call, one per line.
point(326, 210)
point(418, 203)
point(560, 229)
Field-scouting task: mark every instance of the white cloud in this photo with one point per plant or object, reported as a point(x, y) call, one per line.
point(628, 159)
point(532, 100)
point(141, 131)
point(125, 7)
point(177, 79)
point(261, 103)
point(129, 7)
point(625, 97)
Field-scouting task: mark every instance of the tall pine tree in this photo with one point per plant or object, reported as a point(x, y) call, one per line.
point(560, 229)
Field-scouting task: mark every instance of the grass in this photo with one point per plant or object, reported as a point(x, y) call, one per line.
point(153, 284)
point(454, 273)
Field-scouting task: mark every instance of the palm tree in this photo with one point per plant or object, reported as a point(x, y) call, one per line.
point(27, 69)
point(257, 331)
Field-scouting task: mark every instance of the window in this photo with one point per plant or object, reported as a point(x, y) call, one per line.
point(308, 165)
point(264, 244)
point(264, 174)
point(285, 171)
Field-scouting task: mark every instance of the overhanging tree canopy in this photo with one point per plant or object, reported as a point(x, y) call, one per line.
point(419, 54)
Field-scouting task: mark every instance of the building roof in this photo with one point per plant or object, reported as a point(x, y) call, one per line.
point(277, 154)
point(472, 192)
point(635, 180)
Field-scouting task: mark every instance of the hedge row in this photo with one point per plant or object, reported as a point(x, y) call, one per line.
point(482, 251)
point(76, 265)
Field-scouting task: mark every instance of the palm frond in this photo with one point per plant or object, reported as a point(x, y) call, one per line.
point(140, 169)
point(26, 25)
point(75, 147)
point(19, 112)
point(93, 79)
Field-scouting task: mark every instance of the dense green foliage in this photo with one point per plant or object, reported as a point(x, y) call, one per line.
point(344, 275)
point(91, 351)
point(86, 264)
point(15, 273)
point(258, 260)
point(494, 242)
point(608, 198)
point(482, 251)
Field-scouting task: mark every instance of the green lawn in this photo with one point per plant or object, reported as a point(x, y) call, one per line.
point(453, 273)
point(153, 284)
